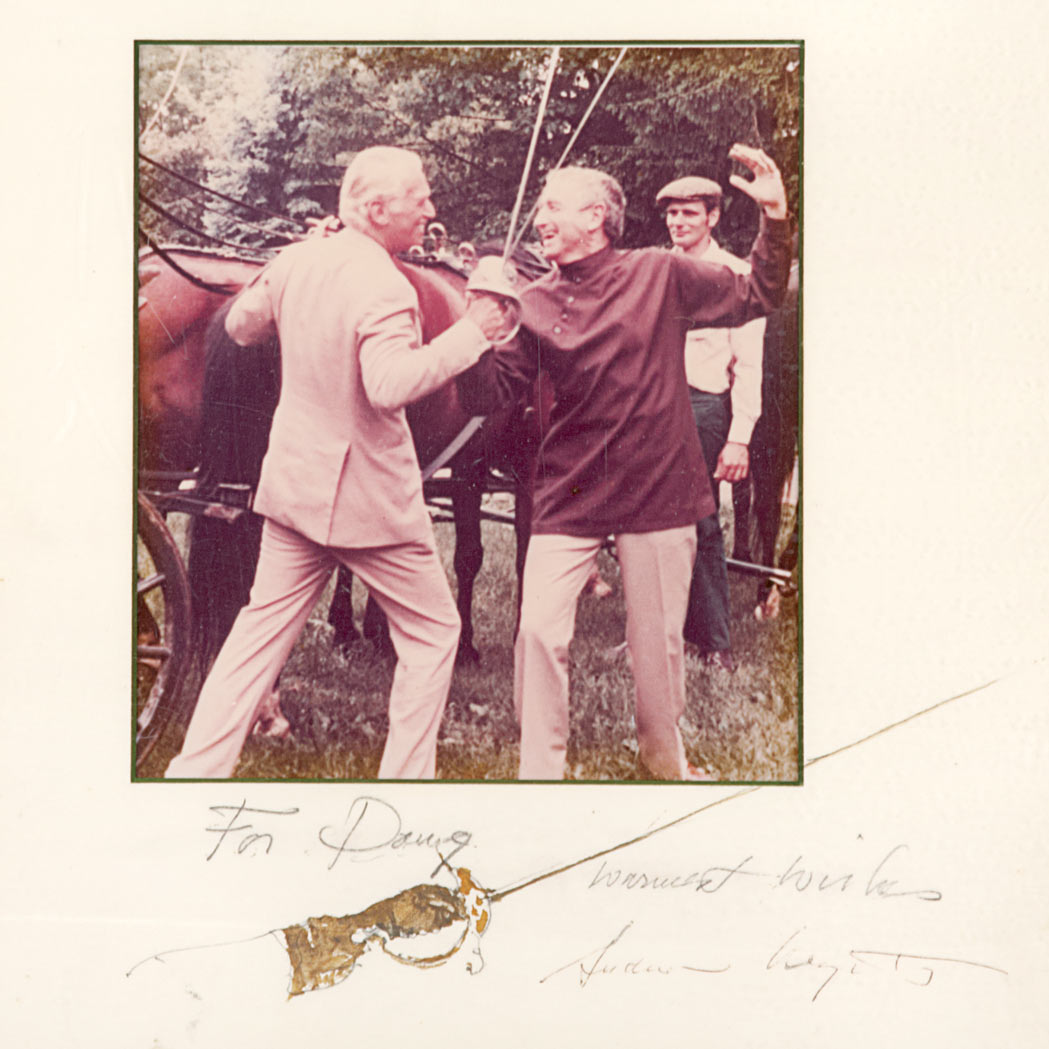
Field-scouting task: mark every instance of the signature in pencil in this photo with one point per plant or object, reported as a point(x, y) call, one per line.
point(614, 959)
point(915, 969)
point(623, 957)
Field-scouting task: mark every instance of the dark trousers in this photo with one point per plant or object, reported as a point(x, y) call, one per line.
point(706, 623)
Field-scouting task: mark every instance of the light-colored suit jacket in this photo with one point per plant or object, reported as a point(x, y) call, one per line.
point(341, 468)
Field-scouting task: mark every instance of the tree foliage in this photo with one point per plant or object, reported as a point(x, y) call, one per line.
point(275, 125)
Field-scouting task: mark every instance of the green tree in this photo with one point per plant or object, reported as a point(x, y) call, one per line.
point(275, 126)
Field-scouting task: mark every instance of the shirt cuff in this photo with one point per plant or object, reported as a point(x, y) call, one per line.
point(740, 429)
point(480, 339)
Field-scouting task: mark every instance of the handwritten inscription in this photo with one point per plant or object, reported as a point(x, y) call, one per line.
point(614, 959)
point(882, 881)
point(371, 826)
point(711, 880)
point(915, 969)
point(247, 839)
point(622, 957)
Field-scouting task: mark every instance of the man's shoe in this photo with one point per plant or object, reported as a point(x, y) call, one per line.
point(768, 608)
point(721, 660)
point(270, 720)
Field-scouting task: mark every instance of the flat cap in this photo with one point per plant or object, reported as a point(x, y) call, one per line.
point(691, 187)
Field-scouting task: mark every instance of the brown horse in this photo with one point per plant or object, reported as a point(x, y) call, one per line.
point(205, 402)
point(173, 316)
point(773, 446)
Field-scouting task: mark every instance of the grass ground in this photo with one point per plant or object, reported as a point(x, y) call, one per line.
point(740, 727)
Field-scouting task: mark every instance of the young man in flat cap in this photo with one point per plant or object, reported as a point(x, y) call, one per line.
point(723, 368)
point(620, 454)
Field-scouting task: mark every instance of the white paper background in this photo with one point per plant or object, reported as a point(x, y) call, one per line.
point(926, 519)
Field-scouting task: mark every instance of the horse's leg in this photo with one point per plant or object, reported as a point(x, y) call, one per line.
point(466, 508)
point(221, 568)
point(241, 386)
point(772, 470)
point(340, 616)
point(376, 629)
point(766, 502)
point(222, 562)
point(741, 527)
point(522, 452)
point(340, 611)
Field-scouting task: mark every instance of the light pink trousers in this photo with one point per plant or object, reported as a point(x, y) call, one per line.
point(410, 585)
point(656, 569)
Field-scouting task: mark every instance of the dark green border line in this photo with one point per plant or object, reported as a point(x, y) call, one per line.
point(480, 42)
point(133, 690)
point(801, 411)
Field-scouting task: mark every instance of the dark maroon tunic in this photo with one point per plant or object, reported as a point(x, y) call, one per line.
point(620, 452)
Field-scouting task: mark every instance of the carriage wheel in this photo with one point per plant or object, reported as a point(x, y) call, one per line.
point(163, 630)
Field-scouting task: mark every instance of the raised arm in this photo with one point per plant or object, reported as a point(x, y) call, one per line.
point(715, 297)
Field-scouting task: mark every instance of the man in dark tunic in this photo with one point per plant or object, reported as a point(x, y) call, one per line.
point(620, 454)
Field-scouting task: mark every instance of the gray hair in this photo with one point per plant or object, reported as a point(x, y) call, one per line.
point(606, 190)
point(377, 173)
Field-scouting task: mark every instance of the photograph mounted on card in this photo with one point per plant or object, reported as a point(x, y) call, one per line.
point(893, 897)
point(512, 335)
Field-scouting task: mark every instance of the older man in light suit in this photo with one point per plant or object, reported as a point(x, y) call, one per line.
point(340, 481)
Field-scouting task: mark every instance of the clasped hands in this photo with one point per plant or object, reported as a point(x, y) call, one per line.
point(497, 316)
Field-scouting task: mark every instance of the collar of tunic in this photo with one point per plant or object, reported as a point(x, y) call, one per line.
point(580, 269)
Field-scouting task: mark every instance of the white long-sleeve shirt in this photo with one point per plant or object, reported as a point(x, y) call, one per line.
point(720, 359)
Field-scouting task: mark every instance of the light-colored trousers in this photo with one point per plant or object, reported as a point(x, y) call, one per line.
point(410, 586)
point(656, 569)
